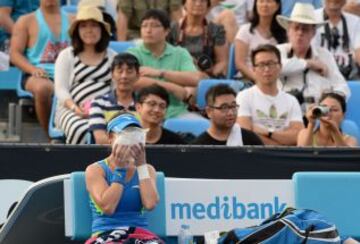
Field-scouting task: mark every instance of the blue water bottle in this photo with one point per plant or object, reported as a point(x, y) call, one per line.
point(185, 236)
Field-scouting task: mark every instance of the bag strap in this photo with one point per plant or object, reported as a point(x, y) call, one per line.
point(231, 237)
point(263, 234)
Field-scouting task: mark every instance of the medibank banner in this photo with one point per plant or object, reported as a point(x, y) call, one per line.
point(207, 204)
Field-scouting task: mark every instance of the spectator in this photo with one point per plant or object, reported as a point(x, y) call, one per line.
point(222, 111)
point(163, 64)
point(329, 132)
point(10, 11)
point(82, 73)
point(262, 29)
point(340, 36)
point(151, 105)
point(205, 40)
point(101, 4)
point(272, 114)
point(353, 7)
point(124, 72)
point(224, 17)
point(288, 5)
point(307, 71)
point(242, 9)
point(37, 40)
point(131, 13)
point(120, 187)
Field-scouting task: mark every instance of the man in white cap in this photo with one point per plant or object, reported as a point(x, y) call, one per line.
point(307, 71)
point(340, 35)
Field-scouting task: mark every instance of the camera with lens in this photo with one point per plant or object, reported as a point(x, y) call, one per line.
point(320, 111)
point(204, 62)
point(346, 70)
point(298, 95)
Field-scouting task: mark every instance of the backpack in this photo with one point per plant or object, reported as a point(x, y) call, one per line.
point(296, 226)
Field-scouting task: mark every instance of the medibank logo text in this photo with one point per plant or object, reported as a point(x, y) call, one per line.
point(225, 207)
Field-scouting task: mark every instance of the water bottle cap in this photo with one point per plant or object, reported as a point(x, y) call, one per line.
point(183, 226)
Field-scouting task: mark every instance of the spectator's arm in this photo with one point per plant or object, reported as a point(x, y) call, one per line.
point(122, 26)
point(352, 7)
point(241, 53)
point(245, 122)
point(305, 136)
point(289, 135)
point(62, 75)
point(6, 21)
point(184, 78)
point(18, 44)
point(221, 50)
point(177, 90)
point(101, 137)
point(337, 80)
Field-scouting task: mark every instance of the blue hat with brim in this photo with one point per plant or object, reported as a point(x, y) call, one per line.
point(116, 125)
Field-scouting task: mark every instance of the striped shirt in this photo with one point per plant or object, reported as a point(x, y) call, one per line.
point(104, 108)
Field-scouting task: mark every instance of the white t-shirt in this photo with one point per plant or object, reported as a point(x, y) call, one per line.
point(268, 112)
point(353, 25)
point(253, 40)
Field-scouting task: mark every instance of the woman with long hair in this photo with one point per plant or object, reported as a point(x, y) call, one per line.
point(262, 29)
point(82, 72)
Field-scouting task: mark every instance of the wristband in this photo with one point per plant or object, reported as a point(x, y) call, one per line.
point(119, 176)
point(143, 172)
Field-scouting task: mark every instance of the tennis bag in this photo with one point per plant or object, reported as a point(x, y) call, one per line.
point(295, 226)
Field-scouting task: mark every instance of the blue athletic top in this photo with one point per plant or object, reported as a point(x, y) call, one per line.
point(47, 47)
point(129, 210)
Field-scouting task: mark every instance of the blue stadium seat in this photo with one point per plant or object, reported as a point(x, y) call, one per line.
point(231, 72)
point(9, 79)
point(121, 46)
point(336, 195)
point(194, 126)
point(353, 112)
point(54, 133)
point(70, 9)
point(78, 213)
point(204, 86)
point(349, 127)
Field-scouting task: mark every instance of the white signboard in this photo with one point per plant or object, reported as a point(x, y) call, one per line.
point(11, 191)
point(207, 204)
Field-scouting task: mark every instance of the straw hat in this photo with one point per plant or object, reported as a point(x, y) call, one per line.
point(89, 13)
point(91, 3)
point(303, 13)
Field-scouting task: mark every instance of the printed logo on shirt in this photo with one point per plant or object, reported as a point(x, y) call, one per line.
point(51, 52)
point(272, 119)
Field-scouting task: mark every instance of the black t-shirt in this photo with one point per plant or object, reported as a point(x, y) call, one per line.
point(169, 138)
point(249, 138)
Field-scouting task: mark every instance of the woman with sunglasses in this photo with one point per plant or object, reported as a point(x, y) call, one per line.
point(262, 29)
point(330, 113)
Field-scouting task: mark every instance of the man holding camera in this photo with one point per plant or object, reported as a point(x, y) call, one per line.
point(307, 71)
point(340, 35)
point(272, 114)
